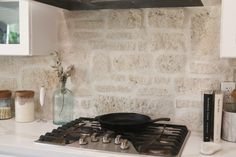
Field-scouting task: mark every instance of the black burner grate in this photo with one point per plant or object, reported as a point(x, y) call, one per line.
point(159, 139)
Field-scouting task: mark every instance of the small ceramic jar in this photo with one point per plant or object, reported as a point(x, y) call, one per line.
point(24, 106)
point(5, 104)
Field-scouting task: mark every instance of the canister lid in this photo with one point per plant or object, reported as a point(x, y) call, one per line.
point(25, 93)
point(5, 94)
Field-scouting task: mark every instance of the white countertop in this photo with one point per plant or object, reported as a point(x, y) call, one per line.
point(17, 139)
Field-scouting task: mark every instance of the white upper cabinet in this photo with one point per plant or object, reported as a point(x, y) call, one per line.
point(228, 29)
point(27, 28)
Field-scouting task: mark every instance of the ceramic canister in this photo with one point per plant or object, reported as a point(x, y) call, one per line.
point(24, 106)
point(229, 122)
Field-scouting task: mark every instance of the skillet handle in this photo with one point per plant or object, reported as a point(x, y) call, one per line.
point(159, 119)
point(97, 118)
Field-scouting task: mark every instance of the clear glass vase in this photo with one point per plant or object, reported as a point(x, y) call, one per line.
point(63, 104)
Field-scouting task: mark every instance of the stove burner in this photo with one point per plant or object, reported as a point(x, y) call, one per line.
point(94, 137)
point(156, 139)
point(118, 140)
point(124, 145)
point(106, 139)
point(83, 140)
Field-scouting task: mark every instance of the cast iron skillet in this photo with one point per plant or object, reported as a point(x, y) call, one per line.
point(126, 121)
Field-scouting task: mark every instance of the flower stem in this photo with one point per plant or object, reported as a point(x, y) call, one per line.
point(63, 91)
point(63, 103)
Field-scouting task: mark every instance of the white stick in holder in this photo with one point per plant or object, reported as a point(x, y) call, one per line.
point(42, 95)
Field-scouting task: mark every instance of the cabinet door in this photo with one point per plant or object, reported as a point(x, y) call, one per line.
point(228, 29)
point(14, 27)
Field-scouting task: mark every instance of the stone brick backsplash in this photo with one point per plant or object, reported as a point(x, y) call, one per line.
point(151, 61)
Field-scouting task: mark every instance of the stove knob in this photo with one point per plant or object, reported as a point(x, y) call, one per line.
point(94, 137)
point(124, 144)
point(83, 141)
point(106, 139)
point(118, 139)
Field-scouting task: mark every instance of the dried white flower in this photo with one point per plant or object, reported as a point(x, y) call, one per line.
point(62, 75)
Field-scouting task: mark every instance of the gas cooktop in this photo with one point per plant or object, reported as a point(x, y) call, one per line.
point(157, 139)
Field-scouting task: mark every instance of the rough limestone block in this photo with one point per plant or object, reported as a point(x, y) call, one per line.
point(80, 58)
point(90, 20)
point(166, 18)
point(195, 85)
point(121, 35)
point(80, 82)
point(84, 108)
point(75, 47)
point(86, 35)
point(156, 108)
point(205, 30)
point(140, 79)
point(143, 46)
point(108, 104)
point(100, 66)
point(171, 63)
point(8, 83)
point(83, 15)
point(44, 60)
point(64, 33)
point(118, 77)
point(112, 89)
point(83, 90)
point(125, 19)
point(210, 68)
point(187, 103)
point(9, 66)
point(155, 91)
point(86, 24)
point(161, 81)
point(132, 62)
point(168, 42)
point(113, 45)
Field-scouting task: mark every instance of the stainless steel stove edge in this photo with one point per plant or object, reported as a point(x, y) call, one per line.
point(185, 141)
